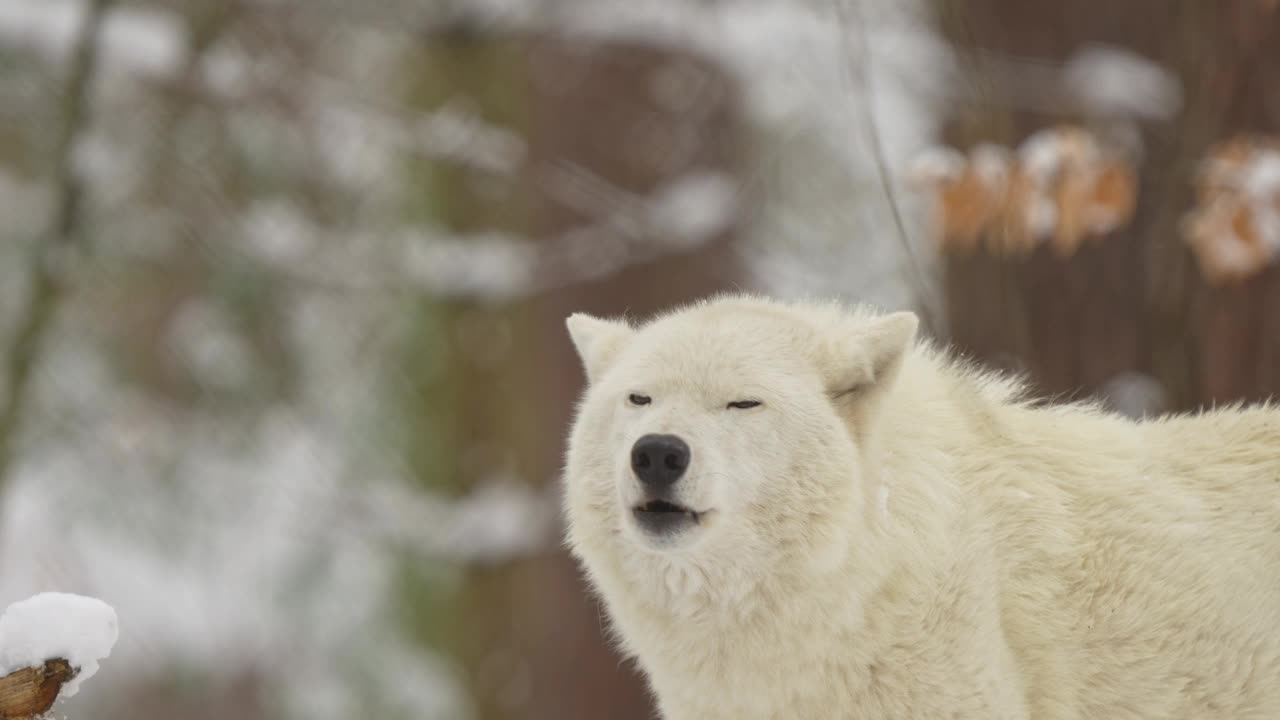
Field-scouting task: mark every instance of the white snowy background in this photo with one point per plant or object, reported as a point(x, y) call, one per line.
point(241, 529)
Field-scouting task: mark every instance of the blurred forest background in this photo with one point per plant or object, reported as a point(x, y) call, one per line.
point(283, 374)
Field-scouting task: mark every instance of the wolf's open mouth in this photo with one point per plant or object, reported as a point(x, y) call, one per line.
point(663, 514)
point(663, 518)
point(662, 506)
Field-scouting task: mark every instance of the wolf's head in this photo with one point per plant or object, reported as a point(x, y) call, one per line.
point(727, 436)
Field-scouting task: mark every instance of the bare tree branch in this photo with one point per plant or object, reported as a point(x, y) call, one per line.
point(60, 238)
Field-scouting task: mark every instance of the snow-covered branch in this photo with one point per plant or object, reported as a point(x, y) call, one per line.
point(50, 644)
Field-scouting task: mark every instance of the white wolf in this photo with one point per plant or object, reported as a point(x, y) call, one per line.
point(796, 511)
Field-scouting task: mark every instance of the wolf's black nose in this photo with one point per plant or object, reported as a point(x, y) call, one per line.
point(659, 460)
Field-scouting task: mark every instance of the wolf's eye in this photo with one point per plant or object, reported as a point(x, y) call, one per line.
point(638, 399)
point(744, 404)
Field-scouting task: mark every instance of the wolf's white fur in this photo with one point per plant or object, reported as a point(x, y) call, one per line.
point(894, 535)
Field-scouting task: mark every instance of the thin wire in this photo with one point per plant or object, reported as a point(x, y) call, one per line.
point(861, 87)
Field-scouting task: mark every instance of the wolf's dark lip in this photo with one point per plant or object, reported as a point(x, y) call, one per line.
point(663, 516)
point(662, 506)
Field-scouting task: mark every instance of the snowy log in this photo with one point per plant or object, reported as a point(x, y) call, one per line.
point(31, 692)
point(50, 644)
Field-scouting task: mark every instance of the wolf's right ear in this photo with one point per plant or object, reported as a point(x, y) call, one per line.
point(597, 341)
point(865, 360)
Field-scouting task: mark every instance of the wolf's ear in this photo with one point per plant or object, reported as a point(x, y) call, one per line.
point(597, 341)
point(866, 359)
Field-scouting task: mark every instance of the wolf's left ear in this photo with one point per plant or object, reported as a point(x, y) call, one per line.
point(867, 359)
point(597, 341)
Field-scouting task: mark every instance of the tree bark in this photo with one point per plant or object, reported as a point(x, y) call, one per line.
point(1136, 301)
point(29, 693)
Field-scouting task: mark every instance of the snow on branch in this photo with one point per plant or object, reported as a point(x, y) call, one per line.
point(1096, 81)
point(1115, 81)
point(50, 644)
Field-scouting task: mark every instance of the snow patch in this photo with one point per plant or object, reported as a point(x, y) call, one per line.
point(1110, 80)
point(457, 132)
point(279, 232)
point(991, 164)
point(487, 264)
point(694, 208)
point(207, 341)
point(81, 630)
point(1042, 154)
point(502, 518)
point(1260, 179)
point(134, 40)
point(1042, 216)
point(226, 70)
point(358, 147)
point(935, 164)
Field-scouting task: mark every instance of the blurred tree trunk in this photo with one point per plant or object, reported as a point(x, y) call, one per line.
point(639, 118)
point(1136, 301)
point(61, 241)
point(604, 126)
